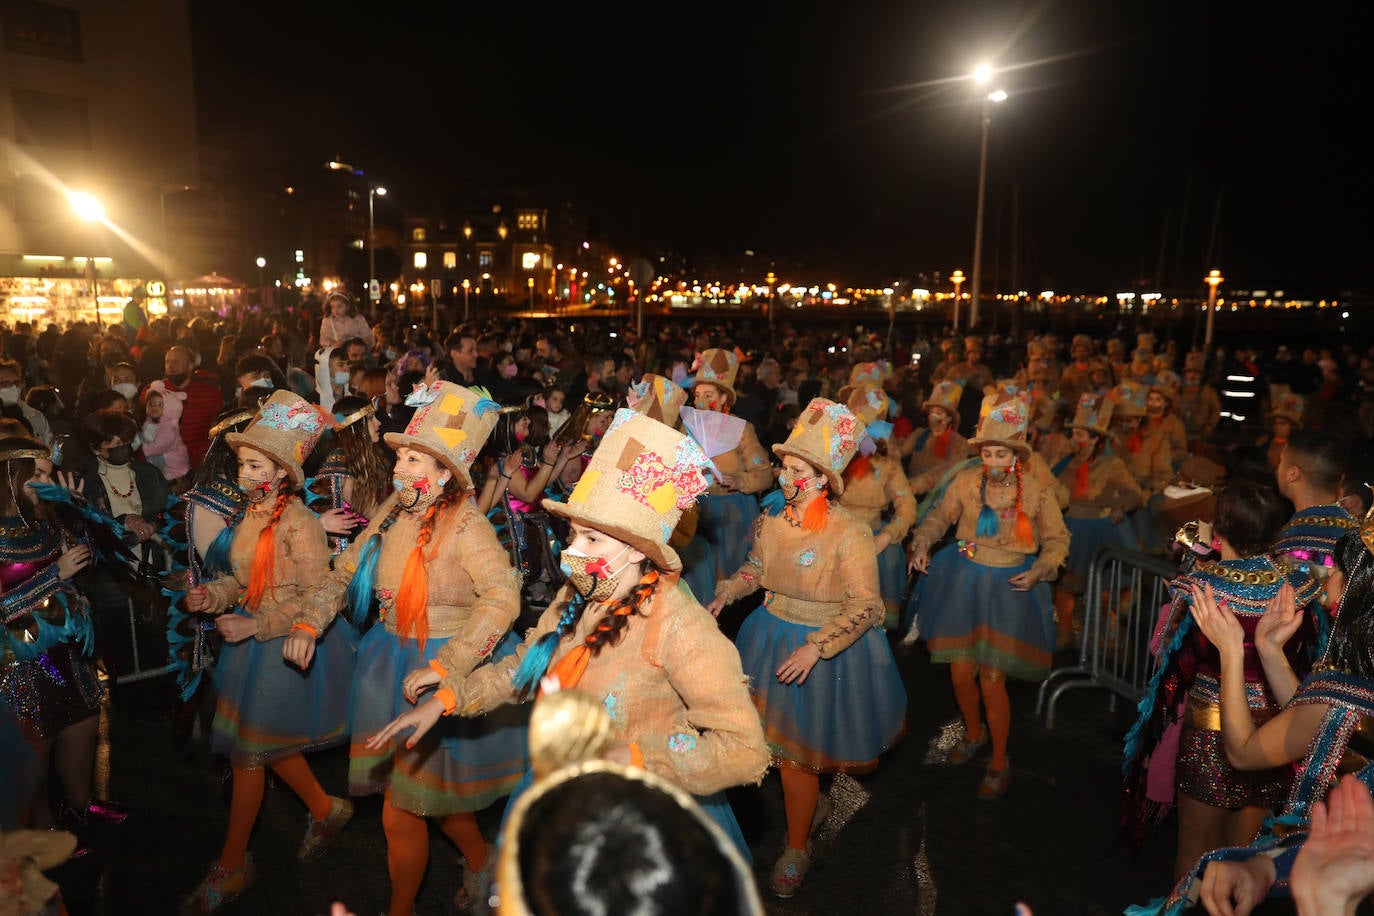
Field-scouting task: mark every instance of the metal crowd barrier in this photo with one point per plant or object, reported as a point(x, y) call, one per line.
point(1124, 593)
point(139, 673)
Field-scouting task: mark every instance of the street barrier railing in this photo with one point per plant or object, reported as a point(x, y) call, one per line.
point(1123, 597)
point(155, 613)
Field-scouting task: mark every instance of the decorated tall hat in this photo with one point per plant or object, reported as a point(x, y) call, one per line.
point(718, 367)
point(973, 342)
point(1081, 341)
point(1130, 397)
point(1288, 407)
point(1094, 414)
point(1002, 421)
point(286, 429)
point(826, 437)
point(870, 374)
point(946, 395)
point(450, 424)
point(658, 398)
point(640, 479)
point(869, 403)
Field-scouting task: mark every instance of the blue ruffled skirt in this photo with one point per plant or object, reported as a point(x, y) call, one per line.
point(699, 569)
point(850, 710)
point(268, 709)
point(968, 613)
point(1087, 536)
point(939, 560)
point(727, 524)
point(892, 578)
point(1145, 523)
point(459, 765)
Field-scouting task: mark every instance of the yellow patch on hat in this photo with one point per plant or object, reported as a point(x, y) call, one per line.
point(662, 499)
point(451, 437)
point(452, 404)
point(584, 487)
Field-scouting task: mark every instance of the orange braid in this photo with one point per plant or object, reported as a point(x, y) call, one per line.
point(1025, 534)
point(570, 668)
point(412, 599)
point(858, 468)
point(817, 513)
point(265, 557)
point(1080, 479)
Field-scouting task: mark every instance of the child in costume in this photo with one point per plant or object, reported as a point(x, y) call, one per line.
point(269, 713)
point(356, 475)
point(823, 677)
point(445, 596)
point(985, 607)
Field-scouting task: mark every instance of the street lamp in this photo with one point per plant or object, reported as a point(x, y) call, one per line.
point(90, 210)
point(374, 291)
point(981, 76)
point(262, 262)
point(467, 285)
point(1213, 280)
point(957, 278)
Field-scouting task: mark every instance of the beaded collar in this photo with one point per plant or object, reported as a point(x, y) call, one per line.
point(219, 496)
point(1248, 583)
point(1315, 529)
point(20, 543)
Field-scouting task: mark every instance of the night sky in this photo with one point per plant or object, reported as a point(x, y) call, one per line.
point(836, 134)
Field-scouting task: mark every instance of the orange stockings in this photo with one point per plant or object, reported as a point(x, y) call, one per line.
point(800, 790)
point(971, 684)
point(407, 850)
point(246, 801)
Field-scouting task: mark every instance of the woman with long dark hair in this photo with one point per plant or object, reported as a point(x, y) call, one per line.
point(356, 475)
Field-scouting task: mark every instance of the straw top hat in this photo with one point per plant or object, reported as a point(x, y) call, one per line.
point(719, 368)
point(1195, 361)
point(1289, 407)
point(24, 856)
point(826, 436)
point(1143, 357)
point(973, 343)
point(1145, 341)
point(1099, 364)
point(640, 479)
point(949, 344)
point(1081, 340)
point(869, 374)
point(451, 424)
point(1130, 398)
point(1003, 421)
point(945, 396)
point(568, 734)
point(1094, 414)
point(657, 398)
point(1167, 384)
point(1035, 349)
point(286, 429)
point(869, 403)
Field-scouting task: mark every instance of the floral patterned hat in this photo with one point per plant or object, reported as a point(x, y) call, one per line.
point(865, 374)
point(869, 403)
point(640, 479)
point(657, 398)
point(826, 436)
point(946, 395)
point(718, 367)
point(286, 429)
point(1094, 414)
point(451, 424)
point(1130, 398)
point(1002, 421)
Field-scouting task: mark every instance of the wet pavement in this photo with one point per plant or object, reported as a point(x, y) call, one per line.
point(910, 838)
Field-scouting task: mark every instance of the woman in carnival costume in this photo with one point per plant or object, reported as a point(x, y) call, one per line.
point(622, 631)
point(356, 475)
point(985, 607)
point(47, 675)
point(939, 446)
point(822, 674)
point(1147, 456)
point(1175, 746)
point(742, 471)
point(876, 491)
point(269, 713)
point(1101, 493)
point(445, 596)
point(1283, 419)
point(1325, 726)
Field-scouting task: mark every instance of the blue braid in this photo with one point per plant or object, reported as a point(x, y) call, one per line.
point(987, 518)
point(537, 659)
point(361, 596)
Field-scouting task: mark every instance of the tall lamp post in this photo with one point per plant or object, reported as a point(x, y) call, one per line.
point(374, 290)
point(981, 76)
point(262, 262)
point(90, 210)
point(467, 286)
point(957, 278)
point(1213, 279)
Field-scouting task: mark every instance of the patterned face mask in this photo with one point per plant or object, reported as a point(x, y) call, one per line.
point(591, 576)
point(257, 489)
point(416, 492)
point(794, 485)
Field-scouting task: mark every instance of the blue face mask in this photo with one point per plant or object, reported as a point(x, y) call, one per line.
point(340, 378)
point(263, 383)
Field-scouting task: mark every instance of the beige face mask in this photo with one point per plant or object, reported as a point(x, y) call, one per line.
point(591, 577)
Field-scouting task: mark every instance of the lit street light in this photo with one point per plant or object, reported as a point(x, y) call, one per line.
point(1213, 280)
point(981, 76)
point(957, 278)
point(467, 285)
point(374, 290)
point(89, 209)
point(262, 262)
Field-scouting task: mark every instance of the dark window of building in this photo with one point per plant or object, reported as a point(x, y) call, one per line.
point(484, 259)
point(44, 119)
point(41, 29)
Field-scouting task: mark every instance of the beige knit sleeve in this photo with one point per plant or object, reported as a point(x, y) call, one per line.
point(863, 601)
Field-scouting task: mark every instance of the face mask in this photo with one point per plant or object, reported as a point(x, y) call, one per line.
point(509, 370)
point(591, 578)
point(794, 486)
point(416, 492)
point(390, 354)
point(255, 488)
point(9, 396)
point(1000, 473)
point(119, 455)
point(264, 383)
point(520, 436)
point(137, 443)
point(128, 389)
point(340, 378)
point(179, 379)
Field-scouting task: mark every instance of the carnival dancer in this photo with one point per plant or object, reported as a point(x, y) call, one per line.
point(1142, 367)
point(1324, 725)
point(1161, 402)
point(1076, 379)
point(985, 608)
point(1283, 419)
point(1101, 492)
point(877, 493)
point(445, 596)
point(953, 356)
point(1218, 805)
point(822, 674)
point(47, 675)
point(1199, 407)
point(939, 446)
point(355, 475)
point(728, 513)
point(1147, 456)
point(269, 713)
point(622, 631)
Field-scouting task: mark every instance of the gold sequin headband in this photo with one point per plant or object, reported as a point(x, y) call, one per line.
point(234, 419)
point(366, 410)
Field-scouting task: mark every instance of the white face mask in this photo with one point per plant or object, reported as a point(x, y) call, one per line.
point(128, 389)
point(9, 395)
